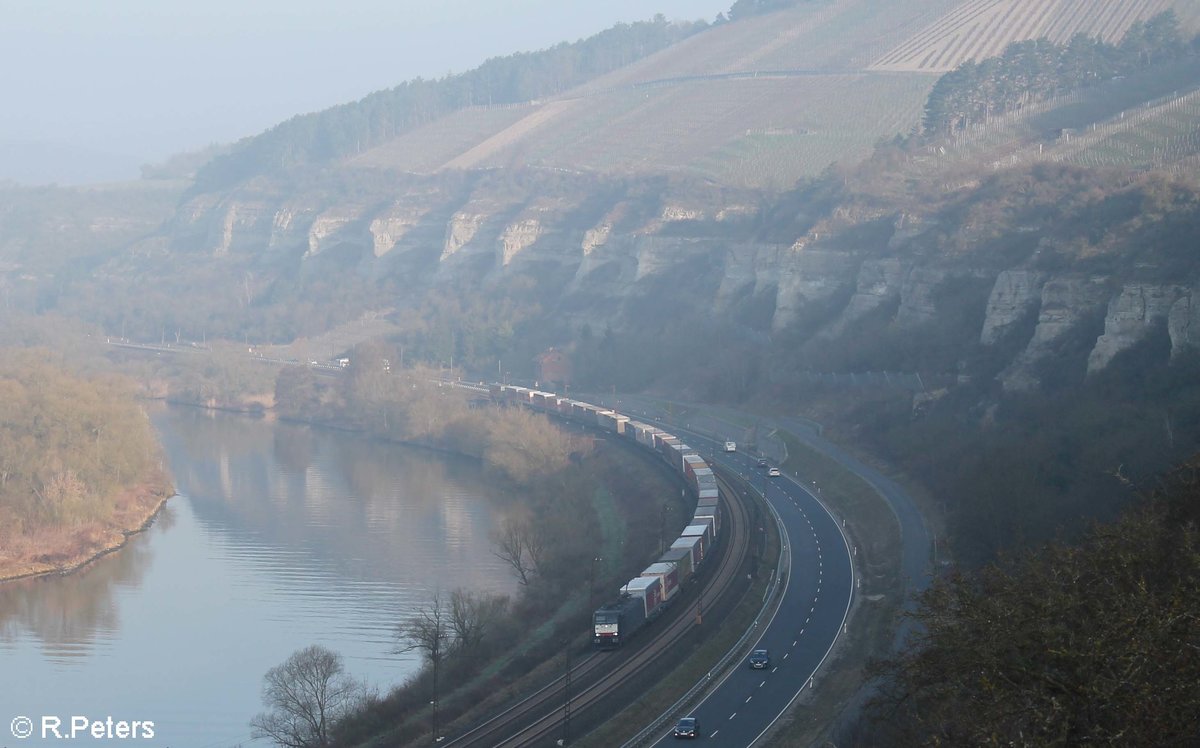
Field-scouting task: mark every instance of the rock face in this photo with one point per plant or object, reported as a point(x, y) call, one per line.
point(388, 228)
point(517, 237)
point(462, 229)
point(878, 282)
point(1015, 294)
point(808, 275)
point(1130, 317)
point(480, 231)
point(1065, 303)
point(330, 226)
point(916, 295)
point(1183, 322)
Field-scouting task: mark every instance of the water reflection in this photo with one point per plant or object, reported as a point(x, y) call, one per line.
point(69, 614)
point(282, 536)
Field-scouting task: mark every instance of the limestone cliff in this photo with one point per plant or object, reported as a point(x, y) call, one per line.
point(1131, 315)
point(701, 253)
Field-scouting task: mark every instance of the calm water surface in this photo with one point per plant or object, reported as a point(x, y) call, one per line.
point(281, 536)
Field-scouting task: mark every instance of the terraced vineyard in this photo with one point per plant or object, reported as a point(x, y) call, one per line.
point(1147, 120)
point(978, 29)
point(768, 100)
point(1162, 134)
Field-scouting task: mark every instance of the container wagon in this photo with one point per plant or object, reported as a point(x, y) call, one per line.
point(694, 545)
point(668, 574)
point(682, 558)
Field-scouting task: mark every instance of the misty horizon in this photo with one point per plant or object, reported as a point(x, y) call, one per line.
point(108, 89)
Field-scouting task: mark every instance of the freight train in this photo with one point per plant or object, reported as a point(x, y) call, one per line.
point(643, 598)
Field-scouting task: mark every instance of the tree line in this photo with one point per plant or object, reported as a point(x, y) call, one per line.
point(1038, 69)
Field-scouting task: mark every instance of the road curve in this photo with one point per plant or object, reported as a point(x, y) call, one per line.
point(812, 614)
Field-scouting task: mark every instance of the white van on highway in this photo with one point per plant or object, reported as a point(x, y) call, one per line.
point(730, 446)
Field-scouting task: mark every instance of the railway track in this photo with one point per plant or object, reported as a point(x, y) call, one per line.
point(540, 719)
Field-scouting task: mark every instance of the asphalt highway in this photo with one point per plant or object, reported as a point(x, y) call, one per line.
point(819, 586)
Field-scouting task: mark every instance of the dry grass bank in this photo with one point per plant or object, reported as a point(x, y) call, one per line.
point(58, 550)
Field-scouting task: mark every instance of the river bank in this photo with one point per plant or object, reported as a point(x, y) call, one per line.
point(65, 550)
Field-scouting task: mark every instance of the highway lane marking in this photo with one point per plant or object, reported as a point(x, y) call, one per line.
point(747, 701)
point(760, 685)
point(774, 669)
point(733, 715)
point(714, 733)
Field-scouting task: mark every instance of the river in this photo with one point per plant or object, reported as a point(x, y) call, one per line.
point(281, 536)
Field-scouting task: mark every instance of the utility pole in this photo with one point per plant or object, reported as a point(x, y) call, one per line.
point(566, 738)
point(436, 739)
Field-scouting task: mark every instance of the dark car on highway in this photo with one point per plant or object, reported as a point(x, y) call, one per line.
point(762, 461)
point(686, 728)
point(760, 659)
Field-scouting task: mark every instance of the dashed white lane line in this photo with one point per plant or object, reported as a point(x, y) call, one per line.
point(760, 685)
point(747, 701)
point(733, 715)
point(774, 669)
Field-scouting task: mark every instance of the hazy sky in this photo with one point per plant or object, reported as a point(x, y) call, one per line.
point(138, 80)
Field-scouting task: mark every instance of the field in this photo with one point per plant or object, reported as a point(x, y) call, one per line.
point(978, 29)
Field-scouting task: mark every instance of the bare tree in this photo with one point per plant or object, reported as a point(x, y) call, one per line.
point(473, 616)
point(519, 544)
point(305, 698)
point(428, 631)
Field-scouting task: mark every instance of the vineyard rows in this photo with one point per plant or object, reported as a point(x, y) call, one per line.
point(1163, 134)
point(978, 29)
point(1157, 135)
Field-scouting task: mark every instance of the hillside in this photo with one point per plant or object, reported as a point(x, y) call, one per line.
point(657, 205)
point(977, 29)
point(761, 102)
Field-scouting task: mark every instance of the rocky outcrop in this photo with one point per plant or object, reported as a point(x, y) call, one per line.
point(917, 303)
point(1183, 322)
point(807, 275)
point(388, 228)
point(1065, 303)
point(748, 269)
point(516, 238)
point(461, 231)
point(596, 236)
point(241, 223)
point(1015, 294)
point(1130, 317)
point(330, 225)
point(878, 282)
